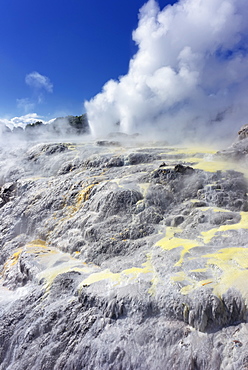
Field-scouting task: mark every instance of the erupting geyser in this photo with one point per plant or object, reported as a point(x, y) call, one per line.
point(190, 74)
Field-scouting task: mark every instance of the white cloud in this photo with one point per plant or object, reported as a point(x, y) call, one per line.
point(39, 82)
point(21, 121)
point(191, 68)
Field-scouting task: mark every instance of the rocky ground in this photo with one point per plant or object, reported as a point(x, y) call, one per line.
point(119, 254)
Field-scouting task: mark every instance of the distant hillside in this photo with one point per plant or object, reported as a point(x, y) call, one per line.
point(69, 125)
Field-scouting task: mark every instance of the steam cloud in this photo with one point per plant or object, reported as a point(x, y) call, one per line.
point(189, 76)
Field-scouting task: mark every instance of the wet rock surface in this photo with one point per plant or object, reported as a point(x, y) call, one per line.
point(116, 256)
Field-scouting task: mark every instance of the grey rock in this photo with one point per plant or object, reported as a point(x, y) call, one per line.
point(117, 202)
point(243, 132)
point(109, 261)
point(177, 221)
point(137, 158)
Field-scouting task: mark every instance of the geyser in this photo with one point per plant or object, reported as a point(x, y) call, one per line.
point(189, 74)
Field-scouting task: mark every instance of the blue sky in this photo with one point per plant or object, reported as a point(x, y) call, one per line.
point(73, 46)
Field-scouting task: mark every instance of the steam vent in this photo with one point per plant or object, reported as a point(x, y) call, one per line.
point(119, 254)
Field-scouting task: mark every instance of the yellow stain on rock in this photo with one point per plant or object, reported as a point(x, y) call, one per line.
point(214, 209)
point(144, 188)
point(116, 181)
point(235, 278)
point(51, 261)
point(149, 268)
point(203, 159)
point(15, 257)
point(56, 263)
point(213, 165)
point(179, 276)
point(50, 273)
point(194, 285)
point(71, 146)
point(37, 243)
point(131, 273)
point(11, 261)
point(30, 247)
point(207, 236)
point(124, 277)
point(193, 150)
point(84, 194)
point(228, 268)
point(99, 276)
point(194, 200)
point(171, 242)
point(237, 256)
point(233, 264)
point(190, 283)
point(39, 248)
point(199, 270)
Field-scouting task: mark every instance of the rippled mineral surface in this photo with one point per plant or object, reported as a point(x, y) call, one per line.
point(122, 256)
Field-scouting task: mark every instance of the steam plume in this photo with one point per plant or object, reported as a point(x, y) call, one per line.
point(188, 77)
